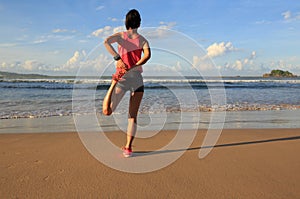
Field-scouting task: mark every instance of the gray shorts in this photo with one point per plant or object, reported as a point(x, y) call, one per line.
point(132, 81)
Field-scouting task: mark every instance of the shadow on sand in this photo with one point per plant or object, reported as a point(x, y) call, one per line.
point(145, 153)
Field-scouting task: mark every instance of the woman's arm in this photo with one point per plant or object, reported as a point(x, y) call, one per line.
point(107, 43)
point(112, 39)
point(146, 56)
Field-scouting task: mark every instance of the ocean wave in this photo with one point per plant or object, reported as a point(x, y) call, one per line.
point(150, 83)
point(107, 79)
point(150, 110)
point(150, 86)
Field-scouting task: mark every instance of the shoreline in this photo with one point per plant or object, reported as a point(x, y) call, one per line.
point(245, 163)
point(156, 122)
point(244, 107)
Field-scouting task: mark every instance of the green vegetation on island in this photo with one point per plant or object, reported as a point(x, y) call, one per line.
point(279, 73)
point(8, 75)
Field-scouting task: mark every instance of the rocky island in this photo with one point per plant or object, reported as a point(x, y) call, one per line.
point(279, 73)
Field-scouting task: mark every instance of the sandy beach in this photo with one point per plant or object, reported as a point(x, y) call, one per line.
point(245, 163)
point(209, 90)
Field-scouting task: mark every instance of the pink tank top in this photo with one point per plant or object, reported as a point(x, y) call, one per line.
point(130, 51)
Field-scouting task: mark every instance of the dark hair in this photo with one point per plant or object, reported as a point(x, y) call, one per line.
point(133, 19)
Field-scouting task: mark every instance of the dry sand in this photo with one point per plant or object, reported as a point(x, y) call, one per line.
point(246, 163)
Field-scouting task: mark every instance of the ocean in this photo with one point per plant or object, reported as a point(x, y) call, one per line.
point(48, 104)
point(54, 96)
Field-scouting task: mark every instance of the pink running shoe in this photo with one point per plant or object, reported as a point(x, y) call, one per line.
point(127, 152)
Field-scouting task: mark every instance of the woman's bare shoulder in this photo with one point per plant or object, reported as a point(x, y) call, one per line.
point(116, 37)
point(143, 40)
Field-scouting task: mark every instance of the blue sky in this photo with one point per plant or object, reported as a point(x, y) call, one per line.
point(242, 37)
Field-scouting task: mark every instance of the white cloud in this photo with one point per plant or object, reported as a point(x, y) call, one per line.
point(55, 35)
point(74, 61)
point(178, 66)
point(101, 31)
point(56, 52)
point(154, 69)
point(162, 31)
point(28, 66)
point(253, 55)
point(86, 65)
point(106, 31)
point(82, 41)
point(238, 65)
point(112, 19)
point(34, 65)
point(263, 22)
point(152, 33)
point(100, 8)
point(283, 65)
point(8, 44)
point(166, 25)
point(39, 41)
point(3, 66)
point(247, 61)
point(241, 64)
point(288, 16)
point(79, 61)
point(118, 29)
point(204, 63)
point(59, 30)
point(220, 49)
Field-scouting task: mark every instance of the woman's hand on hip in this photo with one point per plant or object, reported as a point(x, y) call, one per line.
point(121, 65)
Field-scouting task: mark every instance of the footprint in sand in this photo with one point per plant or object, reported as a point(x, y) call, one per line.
point(38, 162)
point(57, 173)
point(23, 179)
point(46, 178)
point(11, 166)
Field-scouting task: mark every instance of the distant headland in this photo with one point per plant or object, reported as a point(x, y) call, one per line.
point(8, 75)
point(279, 73)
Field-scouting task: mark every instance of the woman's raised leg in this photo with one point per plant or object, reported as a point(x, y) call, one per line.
point(112, 98)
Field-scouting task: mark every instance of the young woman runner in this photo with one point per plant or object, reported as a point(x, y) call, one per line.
point(133, 52)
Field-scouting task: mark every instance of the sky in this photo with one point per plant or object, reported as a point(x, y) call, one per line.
point(237, 37)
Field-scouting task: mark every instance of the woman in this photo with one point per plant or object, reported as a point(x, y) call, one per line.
point(131, 46)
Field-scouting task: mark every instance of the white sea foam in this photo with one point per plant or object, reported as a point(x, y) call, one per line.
point(107, 80)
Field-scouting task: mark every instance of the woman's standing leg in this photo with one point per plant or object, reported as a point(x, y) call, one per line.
point(134, 104)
